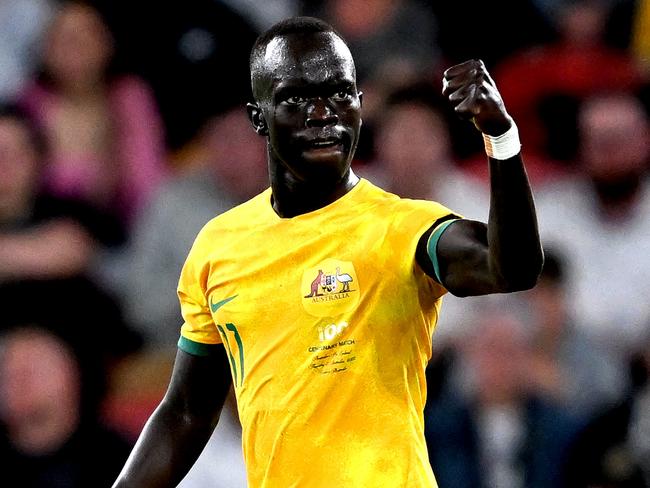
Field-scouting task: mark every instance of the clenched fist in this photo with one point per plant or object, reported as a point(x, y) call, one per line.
point(474, 96)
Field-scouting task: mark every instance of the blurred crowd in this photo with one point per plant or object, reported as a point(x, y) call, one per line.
point(122, 132)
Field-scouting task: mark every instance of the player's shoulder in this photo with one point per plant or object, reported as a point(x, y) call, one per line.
point(398, 205)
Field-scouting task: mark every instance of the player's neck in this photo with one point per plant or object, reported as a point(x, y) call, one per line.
point(292, 197)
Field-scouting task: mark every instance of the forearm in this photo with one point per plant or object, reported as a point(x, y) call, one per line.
point(169, 445)
point(506, 255)
point(515, 251)
point(180, 427)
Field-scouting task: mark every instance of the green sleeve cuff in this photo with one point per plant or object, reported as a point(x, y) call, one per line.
point(432, 246)
point(196, 348)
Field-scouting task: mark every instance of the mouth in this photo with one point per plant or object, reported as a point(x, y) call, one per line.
point(324, 146)
point(324, 143)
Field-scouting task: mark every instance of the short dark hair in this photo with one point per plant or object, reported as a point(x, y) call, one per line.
point(287, 27)
point(300, 25)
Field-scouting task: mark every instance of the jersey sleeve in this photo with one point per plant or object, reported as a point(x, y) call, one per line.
point(199, 333)
point(412, 220)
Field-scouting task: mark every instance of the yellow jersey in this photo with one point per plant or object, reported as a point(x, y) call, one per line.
point(327, 321)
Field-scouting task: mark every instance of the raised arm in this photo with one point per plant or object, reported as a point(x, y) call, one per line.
point(506, 254)
point(180, 427)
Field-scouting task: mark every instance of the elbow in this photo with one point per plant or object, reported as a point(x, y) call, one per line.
point(521, 283)
point(518, 283)
point(525, 277)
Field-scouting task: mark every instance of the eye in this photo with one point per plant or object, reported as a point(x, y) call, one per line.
point(341, 96)
point(294, 100)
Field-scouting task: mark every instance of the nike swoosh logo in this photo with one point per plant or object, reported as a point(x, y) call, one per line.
point(218, 305)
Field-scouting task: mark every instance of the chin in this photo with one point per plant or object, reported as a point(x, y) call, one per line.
point(323, 174)
point(321, 168)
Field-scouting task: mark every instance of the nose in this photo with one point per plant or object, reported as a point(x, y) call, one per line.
point(320, 114)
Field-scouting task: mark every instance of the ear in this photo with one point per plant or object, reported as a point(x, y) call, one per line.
point(361, 105)
point(257, 119)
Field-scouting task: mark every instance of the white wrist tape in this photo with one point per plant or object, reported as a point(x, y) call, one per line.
point(504, 146)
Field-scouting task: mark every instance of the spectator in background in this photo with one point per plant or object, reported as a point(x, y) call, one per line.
point(599, 222)
point(48, 246)
point(187, 51)
point(51, 436)
point(539, 82)
point(414, 154)
point(496, 431)
point(22, 23)
point(614, 449)
point(230, 167)
point(565, 364)
point(105, 137)
point(42, 237)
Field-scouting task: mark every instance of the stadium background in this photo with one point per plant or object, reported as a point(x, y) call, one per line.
point(141, 138)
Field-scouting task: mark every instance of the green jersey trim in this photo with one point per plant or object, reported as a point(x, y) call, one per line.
point(432, 246)
point(195, 348)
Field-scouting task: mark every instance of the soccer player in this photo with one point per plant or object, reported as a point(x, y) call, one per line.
point(317, 299)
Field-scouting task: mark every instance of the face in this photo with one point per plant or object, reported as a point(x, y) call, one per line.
point(39, 397)
point(497, 357)
point(309, 107)
point(582, 22)
point(78, 48)
point(615, 137)
point(237, 155)
point(412, 141)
